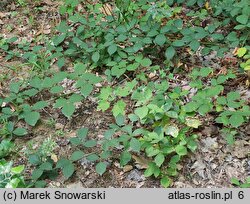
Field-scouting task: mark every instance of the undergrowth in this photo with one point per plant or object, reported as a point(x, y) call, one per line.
point(138, 49)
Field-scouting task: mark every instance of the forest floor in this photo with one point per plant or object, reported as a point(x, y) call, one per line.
point(212, 165)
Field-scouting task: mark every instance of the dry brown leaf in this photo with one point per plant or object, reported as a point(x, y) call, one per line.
point(106, 9)
point(141, 161)
point(54, 158)
point(127, 168)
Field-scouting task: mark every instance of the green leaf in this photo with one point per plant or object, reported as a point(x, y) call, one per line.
point(75, 98)
point(96, 57)
point(172, 130)
point(75, 141)
point(181, 150)
point(20, 131)
point(112, 49)
point(62, 163)
point(135, 145)
point(18, 169)
point(46, 166)
point(39, 105)
point(204, 108)
point(36, 174)
point(231, 96)
point(192, 145)
point(86, 90)
point(243, 19)
point(92, 157)
point(178, 43)
point(120, 119)
point(31, 118)
point(68, 170)
point(82, 133)
point(59, 39)
point(165, 181)
point(68, 109)
point(194, 45)
point(119, 108)
point(103, 105)
point(205, 71)
point(77, 155)
point(241, 51)
point(159, 159)
point(190, 107)
point(160, 39)
point(141, 112)
point(170, 52)
point(230, 139)
point(90, 143)
point(40, 184)
point(14, 87)
point(236, 120)
point(61, 62)
point(101, 167)
point(56, 89)
point(34, 159)
point(146, 62)
point(235, 181)
point(125, 158)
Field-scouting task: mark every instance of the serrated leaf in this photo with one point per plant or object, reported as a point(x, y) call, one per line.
point(194, 45)
point(86, 89)
point(39, 105)
point(119, 108)
point(82, 133)
point(68, 109)
point(101, 167)
point(77, 155)
point(92, 157)
point(14, 87)
point(141, 112)
point(112, 49)
point(46, 166)
point(243, 19)
point(90, 143)
point(120, 119)
point(56, 89)
point(165, 181)
point(59, 39)
point(235, 181)
point(160, 39)
point(31, 118)
point(190, 107)
point(125, 158)
point(20, 132)
point(96, 56)
point(159, 159)
point(34, 159)
point(62, 163)
point(18, 169)
point(236, 120)
point(68, 170)
point(170, 52)
point(40, 184)
point(135, 145)
point(241, 52)
point(36, 174)
point(181, 150)
point(146, 62)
